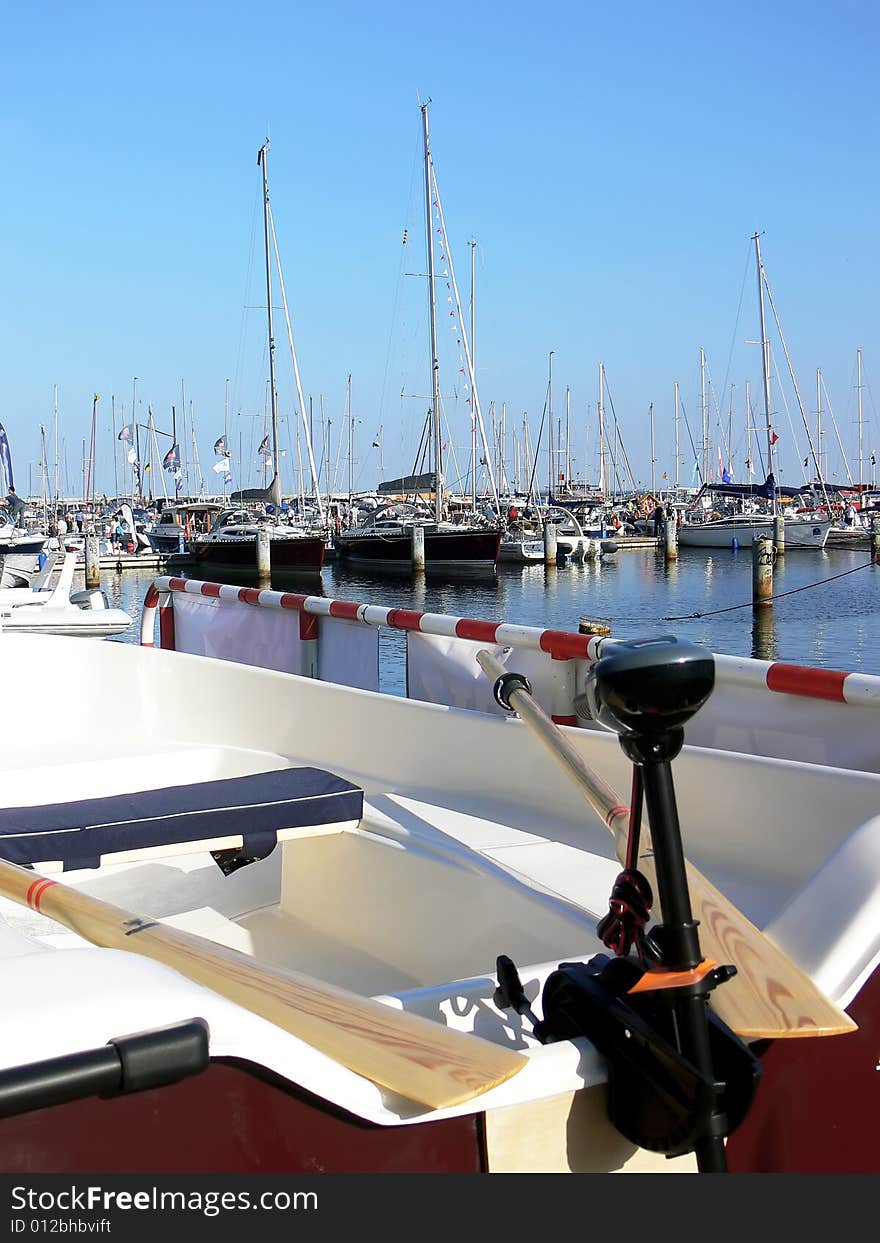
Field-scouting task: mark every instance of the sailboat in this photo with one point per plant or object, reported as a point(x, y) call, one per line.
point(231, 542)
point(726, 513)
point(386, 539)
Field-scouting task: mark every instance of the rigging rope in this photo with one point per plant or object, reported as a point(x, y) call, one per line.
point(782, 594)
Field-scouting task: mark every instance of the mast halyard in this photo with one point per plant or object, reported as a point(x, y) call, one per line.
point(765, 360)
point(432, 306)
point(276, 482)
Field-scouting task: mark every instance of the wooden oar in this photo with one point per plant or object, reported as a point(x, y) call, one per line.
point(769, 997)
point(411, 1055)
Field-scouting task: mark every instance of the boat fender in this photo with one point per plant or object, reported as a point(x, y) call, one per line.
point(609, 546)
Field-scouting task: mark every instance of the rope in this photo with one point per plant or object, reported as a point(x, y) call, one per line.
point(780, 596)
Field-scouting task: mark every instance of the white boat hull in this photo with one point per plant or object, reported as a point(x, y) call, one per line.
point(723, 534)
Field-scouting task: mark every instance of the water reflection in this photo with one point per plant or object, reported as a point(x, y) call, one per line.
point(764, 634)
point(831, 623)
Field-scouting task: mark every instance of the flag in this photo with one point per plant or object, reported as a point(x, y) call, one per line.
point(773, 438)
point(725, 476)
point(147, 467)
point(806, 459)
point(132, 457)
point(873, 460)
point(171, 460)
point(221, 447)
point(264, 448)
point(126, 432)
point(376, 444)
point(221, 467)
point(6, 456)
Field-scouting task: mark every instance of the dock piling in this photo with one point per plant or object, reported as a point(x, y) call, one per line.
point(264, 556)
point(762, 572)
point(875, 540)
point(417, 548)
point(670, 528)
point(549, 542)
point(779, 535)
point(92, 562)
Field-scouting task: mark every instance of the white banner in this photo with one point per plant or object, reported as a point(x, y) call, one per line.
point(348, 653)
point(230, 630)
point(444, 670)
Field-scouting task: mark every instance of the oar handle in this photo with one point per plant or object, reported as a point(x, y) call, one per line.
point(413, 1056)
point(605, 801)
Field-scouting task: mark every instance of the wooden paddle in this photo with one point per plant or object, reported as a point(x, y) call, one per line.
point(411, 1055)
point(769, 997)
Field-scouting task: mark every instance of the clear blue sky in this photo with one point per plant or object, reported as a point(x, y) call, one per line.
point(612, 163)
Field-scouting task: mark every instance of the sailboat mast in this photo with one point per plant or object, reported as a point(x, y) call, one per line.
point(432, 307)
point(550, 429)
point(675, 429)
point(765, 360)
point(276, 481)
point(474, 359)
point(819, 418)
point(653, 459)
point(859, 391)
point(350, 443)
point(601, 412)
point(704, 416)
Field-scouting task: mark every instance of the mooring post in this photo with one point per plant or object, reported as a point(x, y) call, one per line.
point(93, 562)
point(549, 542)
point(875, 540)
point(670, 528)
point(264, 556)
point(417, 548)
point(779, 535)
point(762, 571)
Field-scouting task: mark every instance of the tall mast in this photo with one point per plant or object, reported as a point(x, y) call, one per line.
point(276, 481)
point(136, 465)
point(567, 436)
point(474, 359)
point(704, 416)
point(601, 410)
point(432, 307)
point(819, 419)
point(748, 432)
point(653, 459)
point(56, 444)
point(350, 443)
point(550, 488)
point(859, 390)
point(675, 428)
point(115, 452)
point(765, 360)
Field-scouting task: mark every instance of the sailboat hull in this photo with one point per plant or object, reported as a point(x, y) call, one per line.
point(302, 553)
point(446, 552)
point(722, 534)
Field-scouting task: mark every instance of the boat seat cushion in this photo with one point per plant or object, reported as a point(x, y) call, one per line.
point(255, 807)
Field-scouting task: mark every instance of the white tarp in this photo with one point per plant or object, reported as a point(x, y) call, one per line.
point(348, 653)
point(230, 630)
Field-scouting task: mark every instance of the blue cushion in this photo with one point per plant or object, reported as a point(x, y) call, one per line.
point(254, 808)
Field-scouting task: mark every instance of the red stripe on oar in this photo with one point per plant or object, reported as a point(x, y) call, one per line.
point(483, 631)
point(211, 589)
point(564, 646)
point(249, 595)
point(813, 683)
point(404, 619)
point(345, 609)
point(615, 813)
point(36, 891)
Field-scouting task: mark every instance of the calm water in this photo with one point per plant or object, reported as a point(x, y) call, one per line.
point(834, 625)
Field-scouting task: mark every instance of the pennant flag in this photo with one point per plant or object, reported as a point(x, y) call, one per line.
point(264, 445)
point(6, 456)
point(171, 460)
point(376, 444)
point(773, 439)
point(220, 445)
point(147, 467)
point(127, 432)
point(725, 477)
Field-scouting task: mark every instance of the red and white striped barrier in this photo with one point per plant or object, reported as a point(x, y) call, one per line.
point(838, 727)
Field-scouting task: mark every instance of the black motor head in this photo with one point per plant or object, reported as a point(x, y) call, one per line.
point(649, 686)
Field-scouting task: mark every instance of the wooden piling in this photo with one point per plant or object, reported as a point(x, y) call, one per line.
point(264, 556)
point(549, 543)
point(93, 562)
point(670, 529)
point(417, 548)
point(762, 572)
point(779, 535)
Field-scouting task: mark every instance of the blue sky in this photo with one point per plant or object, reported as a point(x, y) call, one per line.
point(611, 163)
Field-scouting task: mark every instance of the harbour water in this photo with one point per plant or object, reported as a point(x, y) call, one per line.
point(825, 612)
